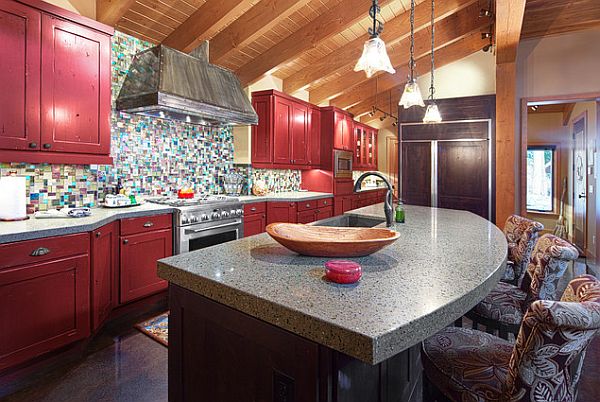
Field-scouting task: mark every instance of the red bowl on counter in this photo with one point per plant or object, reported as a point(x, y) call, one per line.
point(343, 271)
point(185, 195)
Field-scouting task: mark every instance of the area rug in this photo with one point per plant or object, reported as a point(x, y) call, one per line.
point(156, 328)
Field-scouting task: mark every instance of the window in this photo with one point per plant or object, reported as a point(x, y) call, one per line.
point(541, 178)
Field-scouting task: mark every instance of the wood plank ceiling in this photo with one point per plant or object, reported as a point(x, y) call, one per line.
point(314, 44)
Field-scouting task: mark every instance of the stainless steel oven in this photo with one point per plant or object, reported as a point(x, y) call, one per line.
point(342, 168)
point(201, 235)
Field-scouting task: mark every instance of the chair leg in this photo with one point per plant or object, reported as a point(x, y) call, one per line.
point(431, 393)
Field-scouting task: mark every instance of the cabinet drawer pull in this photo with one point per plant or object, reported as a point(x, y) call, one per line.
point(47, 146)
point(98, 234)
point(253, 209)
point(38, 252)
point(125, 241)
point(148, 224)
point(33, 145)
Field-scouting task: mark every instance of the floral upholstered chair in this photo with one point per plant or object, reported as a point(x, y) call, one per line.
point(544, 365)
point(521, 234)
point(504, 307)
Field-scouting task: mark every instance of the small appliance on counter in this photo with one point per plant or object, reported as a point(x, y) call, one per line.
point(13, 198)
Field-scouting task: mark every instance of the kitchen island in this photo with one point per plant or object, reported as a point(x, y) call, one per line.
point(251, 320)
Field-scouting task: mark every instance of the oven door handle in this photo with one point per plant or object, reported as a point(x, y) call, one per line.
point(188, 231)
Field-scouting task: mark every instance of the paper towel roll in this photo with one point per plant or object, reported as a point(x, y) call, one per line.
point(13, 201)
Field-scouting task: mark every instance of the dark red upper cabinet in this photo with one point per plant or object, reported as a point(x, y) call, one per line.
point(315, 137)
point(283, 131)
point(300, 137)
point(262, 141)
point(56, 66)
point(20, 71)
point(75, 88)
point(340, 125)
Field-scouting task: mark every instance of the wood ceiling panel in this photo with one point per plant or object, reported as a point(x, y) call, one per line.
point(552, 17)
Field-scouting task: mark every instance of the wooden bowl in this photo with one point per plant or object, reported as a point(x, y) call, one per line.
point(324, 241)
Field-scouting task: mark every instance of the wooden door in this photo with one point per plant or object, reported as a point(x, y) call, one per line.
point(262, 132)
point(282, 150)
point(105, 260)
point(20, 33)
point(463, 177)
point(254, 224)
point(139, 254)
point(416, 173)
point(391, 168)
point(300, 134)
point(579, 184)
point(76, 77)
point(44, 306)
point(281, 212)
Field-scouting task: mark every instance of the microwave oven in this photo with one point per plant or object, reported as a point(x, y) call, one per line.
point(342, 168)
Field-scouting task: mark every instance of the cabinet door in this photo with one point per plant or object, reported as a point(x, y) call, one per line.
point(300, 134)
point(348, 135)
point(283, 131)
point(339, 122)
point(20, 72)
point(315, 138)
point(139, 254)
point(281, 212)
point(307, 216)
point(254, 224)
point(349, 203)
point(261, 133)
point(375, 150)
point(324, 213)
point(105, 260)
point(44, 307)
point(416, 173)
point(75, 88)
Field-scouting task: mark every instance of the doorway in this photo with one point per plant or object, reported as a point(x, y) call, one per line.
point(579, 174)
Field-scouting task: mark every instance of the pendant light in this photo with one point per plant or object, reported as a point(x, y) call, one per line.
point(374, 57)
point(432, 114)
point(412, 93)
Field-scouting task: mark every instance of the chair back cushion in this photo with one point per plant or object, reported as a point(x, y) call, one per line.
point(547, 357)
point(549, 260)
point(521, 234)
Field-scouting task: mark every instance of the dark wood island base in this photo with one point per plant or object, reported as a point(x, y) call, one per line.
point(218, 354)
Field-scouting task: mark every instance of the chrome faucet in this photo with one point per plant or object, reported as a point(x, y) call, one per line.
point(387, 207)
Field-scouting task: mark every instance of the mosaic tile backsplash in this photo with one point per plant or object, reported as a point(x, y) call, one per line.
point(150, 156)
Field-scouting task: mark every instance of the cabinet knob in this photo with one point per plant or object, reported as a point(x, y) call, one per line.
point(253, 209)
point(264, 216)
point(98, 234)
point(47, 146)
point(33, 145)
point(125, 241)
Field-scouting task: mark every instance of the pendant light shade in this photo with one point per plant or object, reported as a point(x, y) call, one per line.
point(411, 95)
point(374, 58)
point(432, 114)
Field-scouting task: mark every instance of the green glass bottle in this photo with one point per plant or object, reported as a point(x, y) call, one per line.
point(399, 212)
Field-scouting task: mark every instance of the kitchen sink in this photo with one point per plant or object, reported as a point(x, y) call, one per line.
point(349, 221)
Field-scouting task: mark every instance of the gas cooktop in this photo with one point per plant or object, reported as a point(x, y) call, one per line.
point(198, 200)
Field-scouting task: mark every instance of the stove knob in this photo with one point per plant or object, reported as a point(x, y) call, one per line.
point(194, 218)
point(224, 214)
point(204, 217)
point(232, 213)
point(185, 220)
point(216, 215)
point(239, 212)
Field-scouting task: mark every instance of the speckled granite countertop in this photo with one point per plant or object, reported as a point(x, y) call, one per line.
point(37, 228)
point(444, 263)
point(288, 196)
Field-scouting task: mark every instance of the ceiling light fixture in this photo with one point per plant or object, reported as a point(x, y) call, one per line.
point(412, 94)
point(432, 114)
point(374, 57)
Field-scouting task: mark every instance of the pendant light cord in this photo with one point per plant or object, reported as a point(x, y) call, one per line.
point(432, 88)
point(413, 64)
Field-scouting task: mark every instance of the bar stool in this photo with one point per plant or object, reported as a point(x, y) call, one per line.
point(544, 364)
point(521, 234)
point(503, 308)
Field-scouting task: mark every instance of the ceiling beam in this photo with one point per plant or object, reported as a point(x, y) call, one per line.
point(357, 87)
point(329, 23)
point(259, 19)
point(211, 16)
point(110, 12)
point(551, 17)
point(509, 21)
point(395, 30)
point(446, 55)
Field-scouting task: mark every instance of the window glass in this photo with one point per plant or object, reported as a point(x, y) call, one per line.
point(540, 179)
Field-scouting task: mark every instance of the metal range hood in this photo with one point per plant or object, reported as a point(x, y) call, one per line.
point(169, 84)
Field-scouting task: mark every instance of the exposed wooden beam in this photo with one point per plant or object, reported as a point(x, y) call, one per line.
point(449, 30)
point(211, 16)
point(552, 17)
point(395, 30)
point(509, 21)
point(331, 22)
point(252, 24)
point(110, 12)
point(446, 55)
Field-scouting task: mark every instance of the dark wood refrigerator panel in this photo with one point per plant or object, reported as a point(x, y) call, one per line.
point(463, 176)
point(416, 177)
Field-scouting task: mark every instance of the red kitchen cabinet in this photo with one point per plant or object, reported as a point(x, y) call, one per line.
point(283, 131)
point(307, 216)
point(255, 218)
point(343, 127)
point(365, 147)
point(324, 213)
point(20, 28)
point(46, 304)
point(262, 140)
point(105, 260)
point(139, 254)
point(315, 137)
point(56, 66)
point(281, 211)
point(300, 137)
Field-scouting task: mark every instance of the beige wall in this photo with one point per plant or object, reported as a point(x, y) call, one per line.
point(86, 8)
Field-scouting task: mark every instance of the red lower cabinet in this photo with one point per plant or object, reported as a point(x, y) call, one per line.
point(278, 211)
point(307, 216)
point(44, 306)
point(139, 254)
point(254, 224)
point(105, 260)
point(324, 213)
